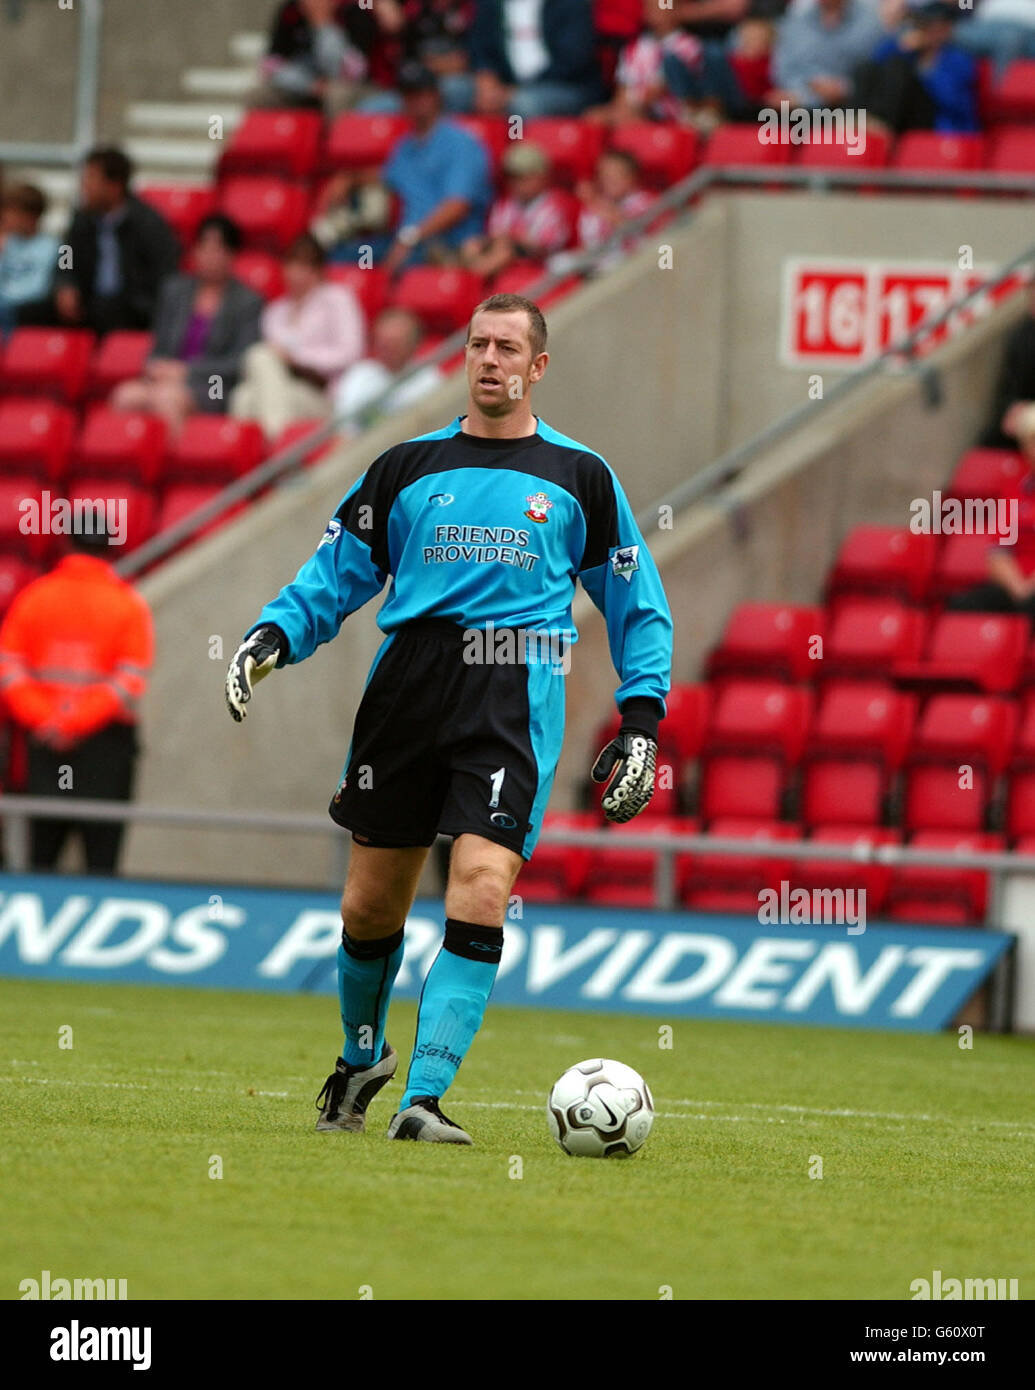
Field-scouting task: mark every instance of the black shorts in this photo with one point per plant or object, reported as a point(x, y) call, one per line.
point(444, 746)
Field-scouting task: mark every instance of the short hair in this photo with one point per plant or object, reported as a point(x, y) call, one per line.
point(513, 303)
point(114, 164)
point(25, 197)
point(307, 249)
point(625, 157)
point(225, 227)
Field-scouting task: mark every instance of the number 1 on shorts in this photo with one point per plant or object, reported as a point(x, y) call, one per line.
point(496, 781)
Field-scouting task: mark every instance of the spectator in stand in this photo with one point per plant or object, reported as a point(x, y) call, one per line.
point(534, 59)
point(1015, 385)
point(434, 34)
point(441, 175)
point(613, 196)
point(530, 221)
point(120, 251)
point(1010, 587)
point(319, 54)
point(394, 342)
point(817, 50)
point(1003, 30)
point(28, 257)
point(652, 69)
point(310, 336)
point(75, 650)
point(918, 79)
point(353, 210)
point(204, 323)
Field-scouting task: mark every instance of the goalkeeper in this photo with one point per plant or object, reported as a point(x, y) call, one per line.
point(482, 528)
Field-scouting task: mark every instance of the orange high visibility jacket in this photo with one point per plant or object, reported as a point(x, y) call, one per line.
point(75, 649)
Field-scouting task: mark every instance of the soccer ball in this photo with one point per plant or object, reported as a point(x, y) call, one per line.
point(600, 1109)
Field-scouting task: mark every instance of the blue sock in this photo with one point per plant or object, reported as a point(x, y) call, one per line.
point(452, 1004)
point(366, 973)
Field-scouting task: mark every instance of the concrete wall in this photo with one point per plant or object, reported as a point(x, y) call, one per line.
point(38, 56)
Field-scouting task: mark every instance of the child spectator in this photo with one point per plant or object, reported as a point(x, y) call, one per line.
point(531, 220)
point(28, 257)
point(612, 197)
point(310, 336)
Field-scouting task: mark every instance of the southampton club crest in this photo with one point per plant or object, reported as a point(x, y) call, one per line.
point(538, 506)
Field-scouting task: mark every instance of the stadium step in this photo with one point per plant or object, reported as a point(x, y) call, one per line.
point(186, 117)
point(233, 83)
point(248, 46)
point(157, 154)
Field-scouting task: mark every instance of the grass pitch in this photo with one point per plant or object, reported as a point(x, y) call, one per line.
point(107, 1150)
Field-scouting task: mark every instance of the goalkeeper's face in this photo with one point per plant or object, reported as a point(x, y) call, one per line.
point(501, 369)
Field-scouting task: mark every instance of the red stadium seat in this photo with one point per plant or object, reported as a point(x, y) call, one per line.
point(47, 362)
point(960, 747)
point(837, 154)
point(183, 499)
point(370, 286)
point(732, 882)
point(360, 141)
point(260, 271)
point(941, 896)
point(932, 151)
point(681, 732)
point(294, 434)
point(869, 638)
point(863, 720)
point(1012, 97)
point(491, 131)
point(517, 277)
point(35, 438)
point(282, 142)
point(572, 146)
point(772, 640)
point(759, 717)
point(962, 563)
point(139, 502)
point(182, 207)
point(441, 297)
point(1020, 804)
point(214, 449)
point(1012, 150)
point(270, 212)
point(119, 357)
point(851, 791)
point(988, 473)
point(17, 533)
point(735, 145)
point(559, 872)
point(122, 444)
point(848, 873)
point(665, 153)
point(983, 651)
point(884, 560)
point(742, 787)
point(628, 878)
point(15, 573)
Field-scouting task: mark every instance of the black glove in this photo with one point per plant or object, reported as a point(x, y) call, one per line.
point(254, 658)
point(627, 765)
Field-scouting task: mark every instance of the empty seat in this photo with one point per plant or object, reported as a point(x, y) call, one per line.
point(1020, 803)
point(959, 749)
point(935, 151)
point(849, 873)
point(871, 153)
point(121, 444)
point(942, 896)
point(868, 638)
point(556, 873)
point(296, 432)
point(182, 500)
point(214, 449)
point(759, 717)
point(571, 145)
point(742, 787)
point(857, 743)
point(849, 790)
point(737, 144)
point(1012, 96)
point(962, 564)
point(270, 212)
point(983, 651)
point(370, 286)
point(19, 533)
point(441, 297)
point(35, 438)
point(1012, 150)
point(47, 362)
point(260, 271)
point(768, 639)
point(182, 207)
point(629, 878)
point(283, 142)
point(360, 141)
point(988, 473)
point(665, 152)
point(884, 560)
point(719, 882)
point(120, 356)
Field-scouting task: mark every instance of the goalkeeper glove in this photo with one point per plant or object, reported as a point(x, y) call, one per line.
point(627, 765)
point(254, 658)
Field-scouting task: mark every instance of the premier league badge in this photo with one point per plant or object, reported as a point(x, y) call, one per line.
point(538, 506)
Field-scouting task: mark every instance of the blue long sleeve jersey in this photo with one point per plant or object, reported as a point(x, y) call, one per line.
point(485, 531)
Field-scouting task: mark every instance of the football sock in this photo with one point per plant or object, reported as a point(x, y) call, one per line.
point(366, 972)
point(452, 1004)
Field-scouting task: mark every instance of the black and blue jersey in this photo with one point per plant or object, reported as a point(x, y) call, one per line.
point(471, 533)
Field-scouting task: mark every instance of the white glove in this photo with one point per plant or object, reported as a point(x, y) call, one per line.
point(256, 657)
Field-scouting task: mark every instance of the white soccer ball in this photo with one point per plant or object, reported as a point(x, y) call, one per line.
point(600, 1109)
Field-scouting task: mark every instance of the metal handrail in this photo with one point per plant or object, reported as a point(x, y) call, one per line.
point(88, 63)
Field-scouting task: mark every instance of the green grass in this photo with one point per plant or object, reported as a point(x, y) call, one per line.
point(927, 1157)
